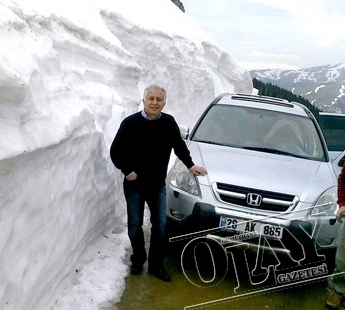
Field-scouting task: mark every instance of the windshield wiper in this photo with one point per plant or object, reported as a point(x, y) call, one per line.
point(217, 143)
point(210, 142)
point(269, 150)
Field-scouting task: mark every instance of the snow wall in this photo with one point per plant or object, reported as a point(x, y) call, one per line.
point(70, 71)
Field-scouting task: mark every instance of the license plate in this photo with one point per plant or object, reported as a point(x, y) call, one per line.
point(258, 228)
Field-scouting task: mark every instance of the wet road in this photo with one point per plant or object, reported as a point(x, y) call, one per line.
point(145, 292)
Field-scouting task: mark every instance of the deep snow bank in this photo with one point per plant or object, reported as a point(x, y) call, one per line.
point(69, 72)
point(174, 52)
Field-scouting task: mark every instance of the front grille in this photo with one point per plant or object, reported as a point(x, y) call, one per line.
point(271, 201)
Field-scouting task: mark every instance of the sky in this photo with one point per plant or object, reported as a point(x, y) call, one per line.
point(274, 34)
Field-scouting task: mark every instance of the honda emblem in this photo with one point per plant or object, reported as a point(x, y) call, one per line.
point(254, 200)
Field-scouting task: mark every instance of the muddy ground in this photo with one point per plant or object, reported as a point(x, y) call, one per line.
point(145, 292)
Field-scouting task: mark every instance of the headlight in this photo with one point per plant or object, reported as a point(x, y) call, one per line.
point(327, 203)
point(183, 179)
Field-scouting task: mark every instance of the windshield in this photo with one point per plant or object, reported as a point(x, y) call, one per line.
point(260, 130)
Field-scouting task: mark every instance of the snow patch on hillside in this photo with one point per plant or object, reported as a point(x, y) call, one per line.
point(339, 66)
point(304, 75)
point(329, 77)
point(317, 88)
point(342, 91)
point(271, 74)
point(332, 74)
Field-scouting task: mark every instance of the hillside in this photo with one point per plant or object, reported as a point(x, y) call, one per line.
point(323, 86)
point(269, 89)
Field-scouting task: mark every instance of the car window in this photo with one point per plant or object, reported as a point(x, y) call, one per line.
point(246, 127)
point(333, 128)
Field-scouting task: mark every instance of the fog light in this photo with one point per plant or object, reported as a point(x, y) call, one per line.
point(324, 241)
point(176, 214)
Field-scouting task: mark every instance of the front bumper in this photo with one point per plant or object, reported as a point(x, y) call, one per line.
point(300, 231)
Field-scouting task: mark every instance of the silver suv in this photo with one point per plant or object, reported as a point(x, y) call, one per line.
point(269, 175)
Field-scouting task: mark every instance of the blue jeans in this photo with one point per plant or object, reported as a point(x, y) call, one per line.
point(136, 194)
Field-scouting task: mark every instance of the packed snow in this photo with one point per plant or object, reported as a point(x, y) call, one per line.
point(70, 71)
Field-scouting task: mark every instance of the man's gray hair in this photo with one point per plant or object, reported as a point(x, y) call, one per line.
point(155, 86)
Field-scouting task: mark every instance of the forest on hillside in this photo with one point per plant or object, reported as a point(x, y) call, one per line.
point(269, 89)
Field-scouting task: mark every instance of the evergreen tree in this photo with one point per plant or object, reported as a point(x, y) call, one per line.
point(271, 90)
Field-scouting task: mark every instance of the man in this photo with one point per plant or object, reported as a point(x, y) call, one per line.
point(337, 284)
point(141, 149)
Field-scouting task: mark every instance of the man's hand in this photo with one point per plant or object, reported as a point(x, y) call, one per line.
point(196, 170)
point(340, 211)
point(132, 177)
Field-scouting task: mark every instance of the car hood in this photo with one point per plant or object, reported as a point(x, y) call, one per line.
point(306, 179)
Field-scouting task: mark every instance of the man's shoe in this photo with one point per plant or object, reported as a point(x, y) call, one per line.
point(333, 299)
point(160, 273)
point(136, 269)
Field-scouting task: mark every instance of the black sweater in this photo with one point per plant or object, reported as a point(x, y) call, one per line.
point(144, 146)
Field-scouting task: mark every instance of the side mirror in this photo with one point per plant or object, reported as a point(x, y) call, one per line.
point(338, 163)
point(184, 132)
point(341, 162)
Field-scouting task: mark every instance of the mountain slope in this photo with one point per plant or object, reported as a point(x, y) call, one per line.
point(323, 86)
point(269, 89)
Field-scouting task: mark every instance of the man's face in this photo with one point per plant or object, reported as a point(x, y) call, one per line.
point(154, 102)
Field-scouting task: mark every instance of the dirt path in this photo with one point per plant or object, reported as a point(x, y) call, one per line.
point(145, 292)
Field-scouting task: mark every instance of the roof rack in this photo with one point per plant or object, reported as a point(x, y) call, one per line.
point(303, 107)
point(260, 96)
point(262, 99)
